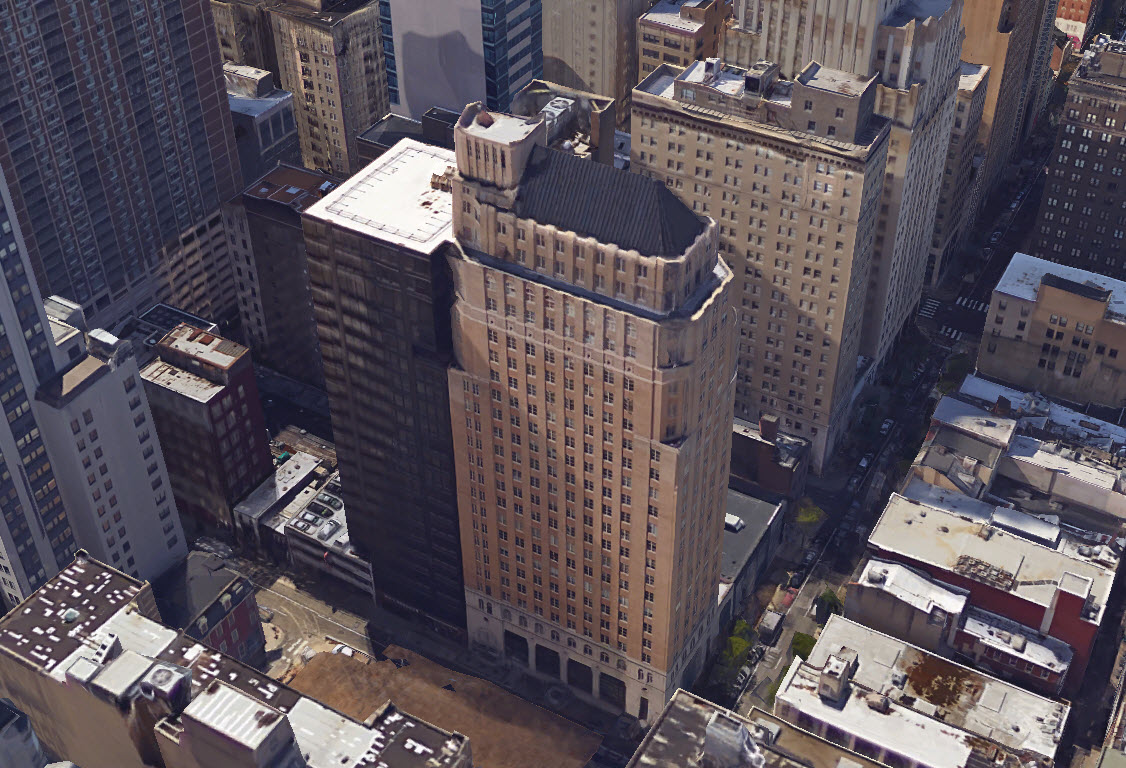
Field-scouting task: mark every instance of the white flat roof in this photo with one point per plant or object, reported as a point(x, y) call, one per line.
point(1001, 633)
point(917, 683)
point(970, 75)
point(1047, 455)
point(974, 421)
point(920, 490)
point(1034, 409)
point(910, 587)
point(181, 381)
point(238, 716)
point(723, 78)
point(255, 106)
point(1024, 273)
point(996, 557)
point(392, 200)
point(296, 471)
point(667, 14)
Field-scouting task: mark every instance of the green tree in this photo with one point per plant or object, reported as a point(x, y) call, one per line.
point(802, 645)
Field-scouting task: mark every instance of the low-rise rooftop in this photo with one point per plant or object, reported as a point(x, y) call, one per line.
point(292, 187)
point(277, 489)
point(319, 515)
point(1025, 274)
point(178, 380)
point(918, 705)
point(974, 421)
point(211, 350)
point(504, 730)
point(1013, 639)
point(834, 80)
point(690, 727)
point(756, 515)
point(982, 551)
point(910, 587)
point(89, 626)
point(1036, 414)
point(970, 76)
point(393, 199)
point(667, 13)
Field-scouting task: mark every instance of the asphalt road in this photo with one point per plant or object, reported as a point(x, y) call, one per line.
point(962, 317)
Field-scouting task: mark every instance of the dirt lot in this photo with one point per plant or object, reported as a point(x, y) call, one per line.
point(504, 730)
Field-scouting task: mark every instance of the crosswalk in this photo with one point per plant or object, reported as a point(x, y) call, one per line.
point(952, 333)
point(972, 304)
point(928, 308)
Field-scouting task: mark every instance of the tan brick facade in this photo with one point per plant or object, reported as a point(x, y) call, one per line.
point(591, 400)
point(797, 219)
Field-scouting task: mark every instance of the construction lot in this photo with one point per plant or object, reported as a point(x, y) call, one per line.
point(504, 730)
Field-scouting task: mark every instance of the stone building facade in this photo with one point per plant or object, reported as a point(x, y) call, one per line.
point(792, 173)
point(591, 398)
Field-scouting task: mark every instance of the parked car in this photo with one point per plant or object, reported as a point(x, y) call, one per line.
point(987, 253)
point(809, 558)
point(995, 237)
point(864, 462)
point(743, 676)
point(854, 482)
point(1014, 205)
point(796, 578)
point(886, 427)
point(756, 654)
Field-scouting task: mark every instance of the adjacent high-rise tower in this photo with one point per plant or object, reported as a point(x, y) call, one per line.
point(913, 50)
point(118, 152)
point(79, 463)
point(593, 46)
point(792, 171)
point(1083, 212)
point(446, 53)
point(591, 396)
point(377, 252)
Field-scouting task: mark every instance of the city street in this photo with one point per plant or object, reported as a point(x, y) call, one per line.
point(956, 310)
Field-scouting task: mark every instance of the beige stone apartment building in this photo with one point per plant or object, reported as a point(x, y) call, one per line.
point(836, 33)
point(679, 32)
point(591, 399)
point(592, 46)
point(1002, 35)
point(1057, 330)
point(913, 49)
point(959, 196)
point(791, 171)
point(330, 57)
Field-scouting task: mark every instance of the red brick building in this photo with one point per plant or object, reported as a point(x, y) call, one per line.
point(764, 459)
point(213, 605)
point(209, 419)
point(1057, 585)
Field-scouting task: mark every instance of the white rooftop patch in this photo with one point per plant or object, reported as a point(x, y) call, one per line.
point(392, 199)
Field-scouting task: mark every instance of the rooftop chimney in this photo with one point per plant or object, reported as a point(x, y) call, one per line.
point(836, 674)
point(1004, 408)
point(728, 744)
point(768, 427)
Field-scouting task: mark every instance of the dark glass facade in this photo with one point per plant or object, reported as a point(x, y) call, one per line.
point(115, 137)
point(35, 537)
